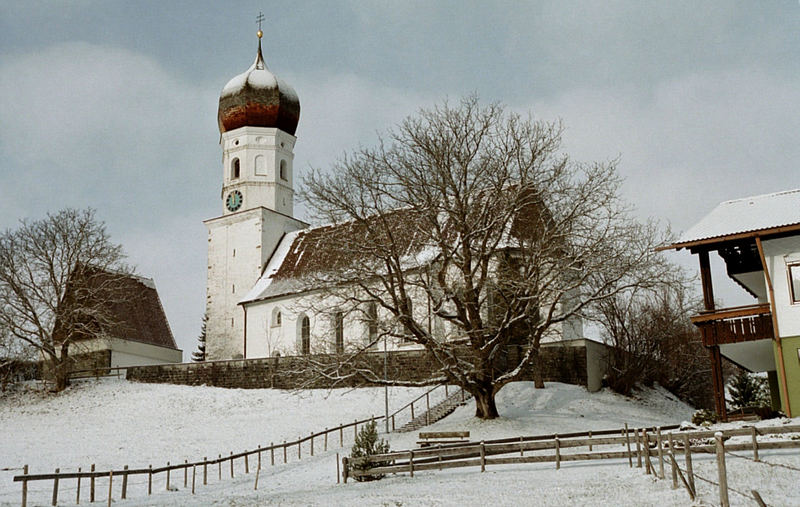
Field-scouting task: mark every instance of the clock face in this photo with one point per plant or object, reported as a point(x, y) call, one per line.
point(234, 200)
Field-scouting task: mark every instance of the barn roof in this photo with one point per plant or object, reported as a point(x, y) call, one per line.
point(135, 308)
point(741, 218)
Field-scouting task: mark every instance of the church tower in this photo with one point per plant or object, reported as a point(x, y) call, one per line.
point(258, 116)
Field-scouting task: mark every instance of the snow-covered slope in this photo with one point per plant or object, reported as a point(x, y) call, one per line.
point(114, 423)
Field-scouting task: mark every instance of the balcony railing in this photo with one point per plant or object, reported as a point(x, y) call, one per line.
point(734, 325)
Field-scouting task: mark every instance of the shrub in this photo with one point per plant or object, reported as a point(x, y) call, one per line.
point(368, 444)
point(704, 417)
point(747, 390)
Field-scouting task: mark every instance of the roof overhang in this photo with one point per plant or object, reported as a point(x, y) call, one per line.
point(716, 242)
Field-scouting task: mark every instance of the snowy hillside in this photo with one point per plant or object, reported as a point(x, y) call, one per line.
point(116, 423)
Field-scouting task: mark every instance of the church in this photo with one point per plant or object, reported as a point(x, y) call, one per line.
point(258, 301)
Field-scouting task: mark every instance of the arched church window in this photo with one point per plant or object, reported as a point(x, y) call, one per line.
point(278, 319)
point(235, 168)
point(305, 335)
point(338, 328)
point(406, 328)
point(260, 165)
point(283, 174)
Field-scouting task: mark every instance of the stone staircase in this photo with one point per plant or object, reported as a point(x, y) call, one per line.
point(437, 412)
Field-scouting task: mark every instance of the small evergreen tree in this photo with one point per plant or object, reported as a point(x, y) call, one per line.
point(747, 390)
point(199, 355)
point(367, 444)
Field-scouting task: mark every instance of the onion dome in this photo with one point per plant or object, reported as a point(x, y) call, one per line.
point(258, 98)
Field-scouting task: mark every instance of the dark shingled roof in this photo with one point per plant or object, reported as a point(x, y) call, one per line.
point(135, 309)
point(305, 257)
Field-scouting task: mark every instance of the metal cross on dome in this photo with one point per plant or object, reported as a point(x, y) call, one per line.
point(259, 19)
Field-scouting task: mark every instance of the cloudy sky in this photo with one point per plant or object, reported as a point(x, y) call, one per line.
point(112, 104)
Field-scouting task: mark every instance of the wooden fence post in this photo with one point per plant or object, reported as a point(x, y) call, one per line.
point(125, 482)
point(723, 474)
point(205, 470)
point(259, 457)
point(753, 434)
point(312, 443)
point(660, 453)
point(55, 488)
point(258, 472)
point(355, 430)
point(337, 468)
point(185, 472)
point(78, 494)
point(483, 456)
point(646, 448)
point(272, 453)
point(194, 473)
point(392, 422)
point(91, 485)
point(558, 453)
point(25, 486)
point(168, 471)
point(110, 485)
point(219, 466)
point(680, 474)
point(521, 447)
point(410, 463)
point(687, 449)
point(284, 452)
point(326, 441)
point(344, 469)
point(341, 436)
point(149, 482)
point(231, 464)
point(628, 442)
point(412, 410)
point(246, 463)
point(590, 441)
point(298, 449)
point(638, 449)
point(672, 463)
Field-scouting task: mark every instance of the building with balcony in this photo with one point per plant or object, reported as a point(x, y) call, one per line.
point(758, 238)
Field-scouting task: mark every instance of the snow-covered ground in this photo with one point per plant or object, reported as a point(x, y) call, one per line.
point(113, 423)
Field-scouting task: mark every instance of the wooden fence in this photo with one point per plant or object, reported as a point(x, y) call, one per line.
point(635, 444)
point(203, 467)
point(714, 442)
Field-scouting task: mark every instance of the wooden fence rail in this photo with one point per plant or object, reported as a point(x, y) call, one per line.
point(325, 435)
point(653, 445)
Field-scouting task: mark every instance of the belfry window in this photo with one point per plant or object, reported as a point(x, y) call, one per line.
point(283, 174)
point(235, 168)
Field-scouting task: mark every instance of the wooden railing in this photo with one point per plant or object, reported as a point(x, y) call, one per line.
point(427, 396)
point(734, 325)
point(282, 450)
point(636, 445)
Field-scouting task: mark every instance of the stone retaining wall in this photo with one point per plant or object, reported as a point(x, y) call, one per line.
point(559, 364)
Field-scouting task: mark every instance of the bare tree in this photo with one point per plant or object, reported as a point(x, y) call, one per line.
point(473, 233)
point(59, 278)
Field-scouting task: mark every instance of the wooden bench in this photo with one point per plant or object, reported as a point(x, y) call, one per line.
point(427, 439)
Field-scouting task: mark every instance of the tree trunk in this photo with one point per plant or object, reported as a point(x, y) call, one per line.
point(61, 369)
point(536, 365)
point(485, 407)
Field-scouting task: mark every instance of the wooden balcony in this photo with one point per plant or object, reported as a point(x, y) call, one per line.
point(735, 325)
